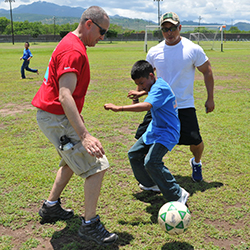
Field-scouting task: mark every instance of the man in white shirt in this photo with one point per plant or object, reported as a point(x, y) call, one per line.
point(175, 60)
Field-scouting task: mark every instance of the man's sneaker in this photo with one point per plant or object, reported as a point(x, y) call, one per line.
point(197, 171)
point(95, 231)
point(184, 196)
point(55, 212)
point(153, 188)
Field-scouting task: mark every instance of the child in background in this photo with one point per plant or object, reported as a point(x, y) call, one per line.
point(26, 60)
point(160, 137)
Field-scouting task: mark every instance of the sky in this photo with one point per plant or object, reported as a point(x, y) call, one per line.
point(207, 11)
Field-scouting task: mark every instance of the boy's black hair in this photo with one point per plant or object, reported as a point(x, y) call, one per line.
point(28, 43)
point(140, 69)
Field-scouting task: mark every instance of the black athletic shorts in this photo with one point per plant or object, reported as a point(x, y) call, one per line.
point(190, 132)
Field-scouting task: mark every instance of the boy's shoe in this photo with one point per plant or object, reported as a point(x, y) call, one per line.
point(55, 212)
point(197, 171)
point(184, 196)
point(95, 231)
point(153, 188)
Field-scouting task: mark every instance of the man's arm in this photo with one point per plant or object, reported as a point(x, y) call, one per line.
point(139, 107)
point(206, 70)
point(67, 85)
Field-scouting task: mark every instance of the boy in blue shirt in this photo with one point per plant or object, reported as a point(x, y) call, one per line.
point(161, 136)
point(26, 60)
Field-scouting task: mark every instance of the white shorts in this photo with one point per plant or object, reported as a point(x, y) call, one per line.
point(77, 158)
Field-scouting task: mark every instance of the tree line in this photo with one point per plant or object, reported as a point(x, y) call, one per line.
point(38, 28)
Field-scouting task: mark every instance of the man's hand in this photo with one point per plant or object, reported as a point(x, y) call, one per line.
point(209, 105)
point(93, 146)
point(134, 94)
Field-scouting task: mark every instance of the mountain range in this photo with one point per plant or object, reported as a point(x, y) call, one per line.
point(46, 12)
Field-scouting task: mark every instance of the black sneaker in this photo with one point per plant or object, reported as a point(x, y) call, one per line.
point(95, 231)
point(55, 212)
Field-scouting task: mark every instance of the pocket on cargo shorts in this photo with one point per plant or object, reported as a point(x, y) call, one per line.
point(81, 162)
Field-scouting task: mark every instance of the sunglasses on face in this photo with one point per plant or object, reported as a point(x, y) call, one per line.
point(173, 28)
point(102, 30)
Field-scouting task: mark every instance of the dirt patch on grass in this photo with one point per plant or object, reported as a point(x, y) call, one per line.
point(232, 240)
point(21, 235)
point(12, 109)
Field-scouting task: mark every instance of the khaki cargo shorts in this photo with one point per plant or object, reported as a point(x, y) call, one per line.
point(77, 158)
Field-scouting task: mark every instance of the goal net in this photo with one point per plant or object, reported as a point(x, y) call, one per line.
point(209, 37)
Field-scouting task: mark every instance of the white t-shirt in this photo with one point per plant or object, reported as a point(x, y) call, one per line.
point(176, 65)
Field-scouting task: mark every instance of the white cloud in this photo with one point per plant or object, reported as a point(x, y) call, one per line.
point(224, 11)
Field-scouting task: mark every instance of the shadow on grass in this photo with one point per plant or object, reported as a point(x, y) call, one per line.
point(68, 239)
point(177, 246)
point(156, 200)
point(192, 187)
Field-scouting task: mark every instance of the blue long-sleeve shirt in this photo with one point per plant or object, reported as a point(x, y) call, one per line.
point(26, 54)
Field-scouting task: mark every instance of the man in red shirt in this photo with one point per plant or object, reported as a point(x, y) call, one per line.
point(60, 101)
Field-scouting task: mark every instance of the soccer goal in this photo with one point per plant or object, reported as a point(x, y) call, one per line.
point(209, 37)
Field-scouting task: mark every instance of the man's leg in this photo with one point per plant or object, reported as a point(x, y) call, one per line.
point(51, 209)
point(195, 162)
point(197, 151)
point(92, 188)
point(62, 178)
point(92, 228)
point(190, 135)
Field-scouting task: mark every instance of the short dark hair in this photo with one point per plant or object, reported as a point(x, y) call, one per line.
point(140, 69)
point(28, 43)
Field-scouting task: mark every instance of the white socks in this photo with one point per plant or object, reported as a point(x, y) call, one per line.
point(50, 203)
point(195, 163)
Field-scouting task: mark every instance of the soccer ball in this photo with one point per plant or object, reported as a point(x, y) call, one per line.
point(174, 217)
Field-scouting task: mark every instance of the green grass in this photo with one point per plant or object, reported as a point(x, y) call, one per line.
point(219, 205)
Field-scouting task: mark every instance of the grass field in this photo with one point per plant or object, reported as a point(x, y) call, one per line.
point(220, 205)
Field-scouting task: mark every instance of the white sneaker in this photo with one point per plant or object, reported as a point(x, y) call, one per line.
point(184, 196)
point(153, 188)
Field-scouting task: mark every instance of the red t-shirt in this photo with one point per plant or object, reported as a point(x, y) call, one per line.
point(69, 56)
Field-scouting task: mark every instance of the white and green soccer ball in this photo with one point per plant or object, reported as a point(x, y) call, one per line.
point(174, 217)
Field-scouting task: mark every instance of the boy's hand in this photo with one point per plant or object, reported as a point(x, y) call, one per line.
point(111, 106)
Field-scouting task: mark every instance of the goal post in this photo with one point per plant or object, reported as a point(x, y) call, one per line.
point(207, 36)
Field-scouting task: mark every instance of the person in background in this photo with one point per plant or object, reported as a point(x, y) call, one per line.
point(175, 60)
point(60, 100)
point(26, 61)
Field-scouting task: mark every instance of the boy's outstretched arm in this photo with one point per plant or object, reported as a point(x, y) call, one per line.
point(139, 107)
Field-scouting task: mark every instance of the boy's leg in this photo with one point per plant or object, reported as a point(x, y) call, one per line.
point(160, 174)
point(136, 157)
point(22, 69)
point(29, 69)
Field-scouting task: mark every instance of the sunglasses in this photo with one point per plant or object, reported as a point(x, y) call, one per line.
point(102, 30)
point(173, 28)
